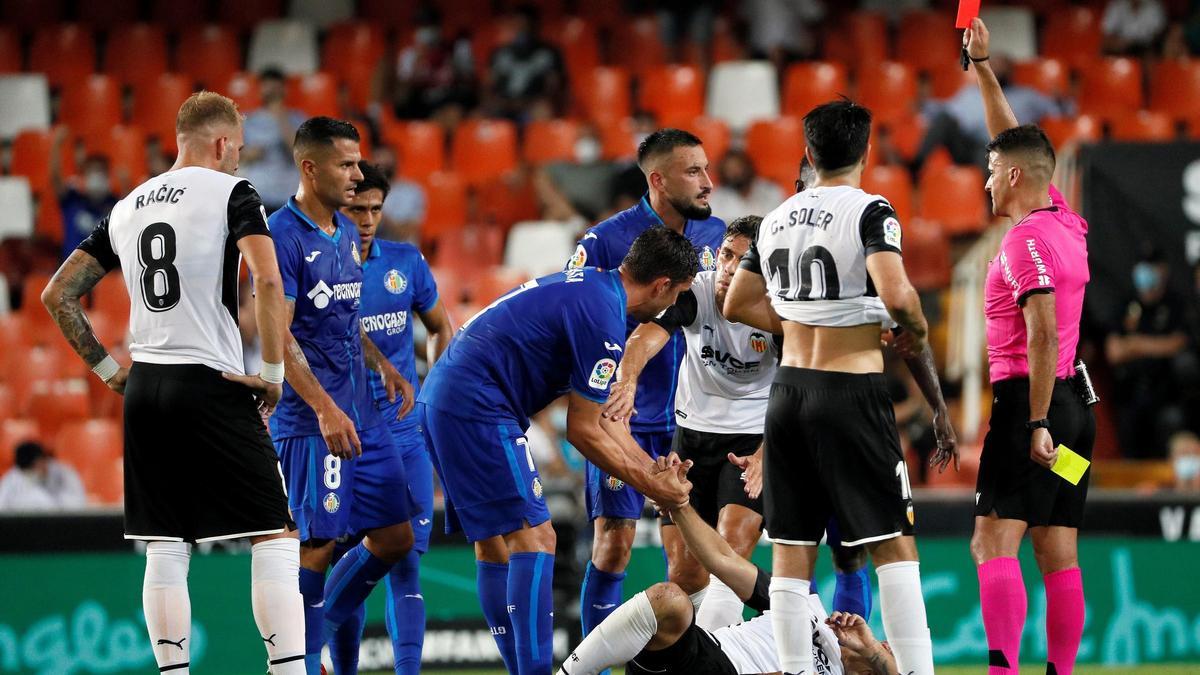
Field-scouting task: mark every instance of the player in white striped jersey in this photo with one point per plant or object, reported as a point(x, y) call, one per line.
point(199, 465)
point(827, 262)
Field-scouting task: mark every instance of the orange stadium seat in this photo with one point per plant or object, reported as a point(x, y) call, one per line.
point(777, 147)
point(179, 15)
point(889, 89)
point(91, 106)
point(926, 255)
point(484, 149)
point(108, 14)
point(36, 316)
point(1111, 87)
point(420, 146)
point(156, 104)
point(858, 39)
point(31, 159)
point(1063, 131)
point(1048, 76)
point(906, 134)
point(244, 14)
point(39, 364)
point(209, 54)
point(617, 139)
point(504, 201)
point(470, 248)
point(954, 197)
point(315, 94)
point(14, 338)
point(603, 94)
point(809, 84)
point(449, 285)
point(895, 184)
point(676, 90)
point(388, 14)
point(1175, 88)
point(10, 50)
point(446, 199)
point(639, 45)
point(111, 297)
point(65, 53)
point(83, 443)
point(136, 53)
point(352, 51)
point(244, 89)
point(945, 80)
point(105, 482)
point(125, 148)
point(576, 39)
point(1143, 125)
point(6, 451)
point(723, 45)
point(496, 282)
point(14, 432)
point(714, 132)
point(549, 141)
point(26, 14)
point(927, 41)
point(53, 403)
point(1072, 34)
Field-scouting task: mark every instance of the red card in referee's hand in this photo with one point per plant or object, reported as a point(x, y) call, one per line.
point(967, 10)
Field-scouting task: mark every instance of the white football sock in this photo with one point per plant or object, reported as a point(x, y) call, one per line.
point(904, 620)
point(697, 599)
point(722, 607)
point(619, 638)
point(167, 605)
point(278, 607)
point(791, 623)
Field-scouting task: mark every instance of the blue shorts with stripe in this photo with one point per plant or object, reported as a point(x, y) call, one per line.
point(410, 441)
point(490, 482)
point(610, 497)
point(330, 497)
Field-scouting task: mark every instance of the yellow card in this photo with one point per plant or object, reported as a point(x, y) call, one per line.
point(1070, 465)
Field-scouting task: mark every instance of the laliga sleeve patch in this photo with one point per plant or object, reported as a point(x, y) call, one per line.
point(579, 258)
point(891, 232)
point(602, 373)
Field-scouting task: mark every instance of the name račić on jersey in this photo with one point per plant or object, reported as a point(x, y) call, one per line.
point(163, 195)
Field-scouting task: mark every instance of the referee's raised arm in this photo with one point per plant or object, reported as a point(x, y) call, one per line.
point(995, 106)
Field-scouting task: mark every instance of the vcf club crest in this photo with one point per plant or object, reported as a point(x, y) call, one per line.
point(758, 342)
point(708, 261)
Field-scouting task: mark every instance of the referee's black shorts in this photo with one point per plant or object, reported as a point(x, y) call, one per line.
point(832, 450)
point(199, 464)
point(716, 482)
point(1012, 485)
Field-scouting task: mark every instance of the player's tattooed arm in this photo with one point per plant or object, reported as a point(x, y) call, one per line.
point(393, 382)
point(75, 279)
point(924, 372)
point(336, 427)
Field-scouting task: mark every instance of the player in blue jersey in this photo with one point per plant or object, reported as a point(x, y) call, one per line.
point(676, 169)
point(560, 334)
point(396, 284)
point(342, 469)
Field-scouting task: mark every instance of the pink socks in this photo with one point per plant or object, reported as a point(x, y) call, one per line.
point(1002, 597)
point(1064, 619)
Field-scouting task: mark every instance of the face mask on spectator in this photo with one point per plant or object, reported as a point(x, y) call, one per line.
point(587, 150)
point(427, 35)
point(1187, 467)
point(1145, 277)
point(95, 183)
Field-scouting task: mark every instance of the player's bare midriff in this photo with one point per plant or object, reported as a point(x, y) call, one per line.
point(853, 349)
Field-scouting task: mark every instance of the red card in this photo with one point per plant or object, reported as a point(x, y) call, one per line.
point(967, 10)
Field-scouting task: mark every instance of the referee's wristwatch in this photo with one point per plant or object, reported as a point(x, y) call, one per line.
point(1031, 425)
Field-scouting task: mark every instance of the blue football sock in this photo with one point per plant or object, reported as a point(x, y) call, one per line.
point(405, 618)
point(530, 582)
point(344, 646)
point(853, 593)
point(599, 597)
point(491, 579)
point(312, 590)
point(349, 584)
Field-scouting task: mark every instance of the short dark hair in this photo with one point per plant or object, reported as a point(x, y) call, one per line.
point(1028, 140)
point(373, 179)
point(321, 131)
point(746, 226)
point(661, 252)
point(28, 453)
point(837, 133)
point(272, 73)
point(664, 141)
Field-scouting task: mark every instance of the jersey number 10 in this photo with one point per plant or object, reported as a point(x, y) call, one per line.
point(160, 278)
point(778, 264)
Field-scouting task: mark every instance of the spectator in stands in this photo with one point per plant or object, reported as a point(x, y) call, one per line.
point(686, 19)
point(782, 30)
point(958, 123)
point(527, 74)
point(84, 200)
point(1185, 461)
point(740, 191)
point(1133, 27)
point(580, 188)
point(1143, 349)
point(893, 9)
point(404, 208)
point(433, 77)
point(38, 482)
point(269, 131)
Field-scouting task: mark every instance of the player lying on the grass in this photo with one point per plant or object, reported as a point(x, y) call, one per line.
point(656, 632)
point(721, 402)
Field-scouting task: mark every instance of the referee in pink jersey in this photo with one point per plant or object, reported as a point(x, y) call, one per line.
point(1033, 299)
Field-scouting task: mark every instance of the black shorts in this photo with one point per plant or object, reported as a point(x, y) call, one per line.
point(696, 652)
point(1010, 483)
point(716, 482)
point(199, 464)
point(832, 450)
